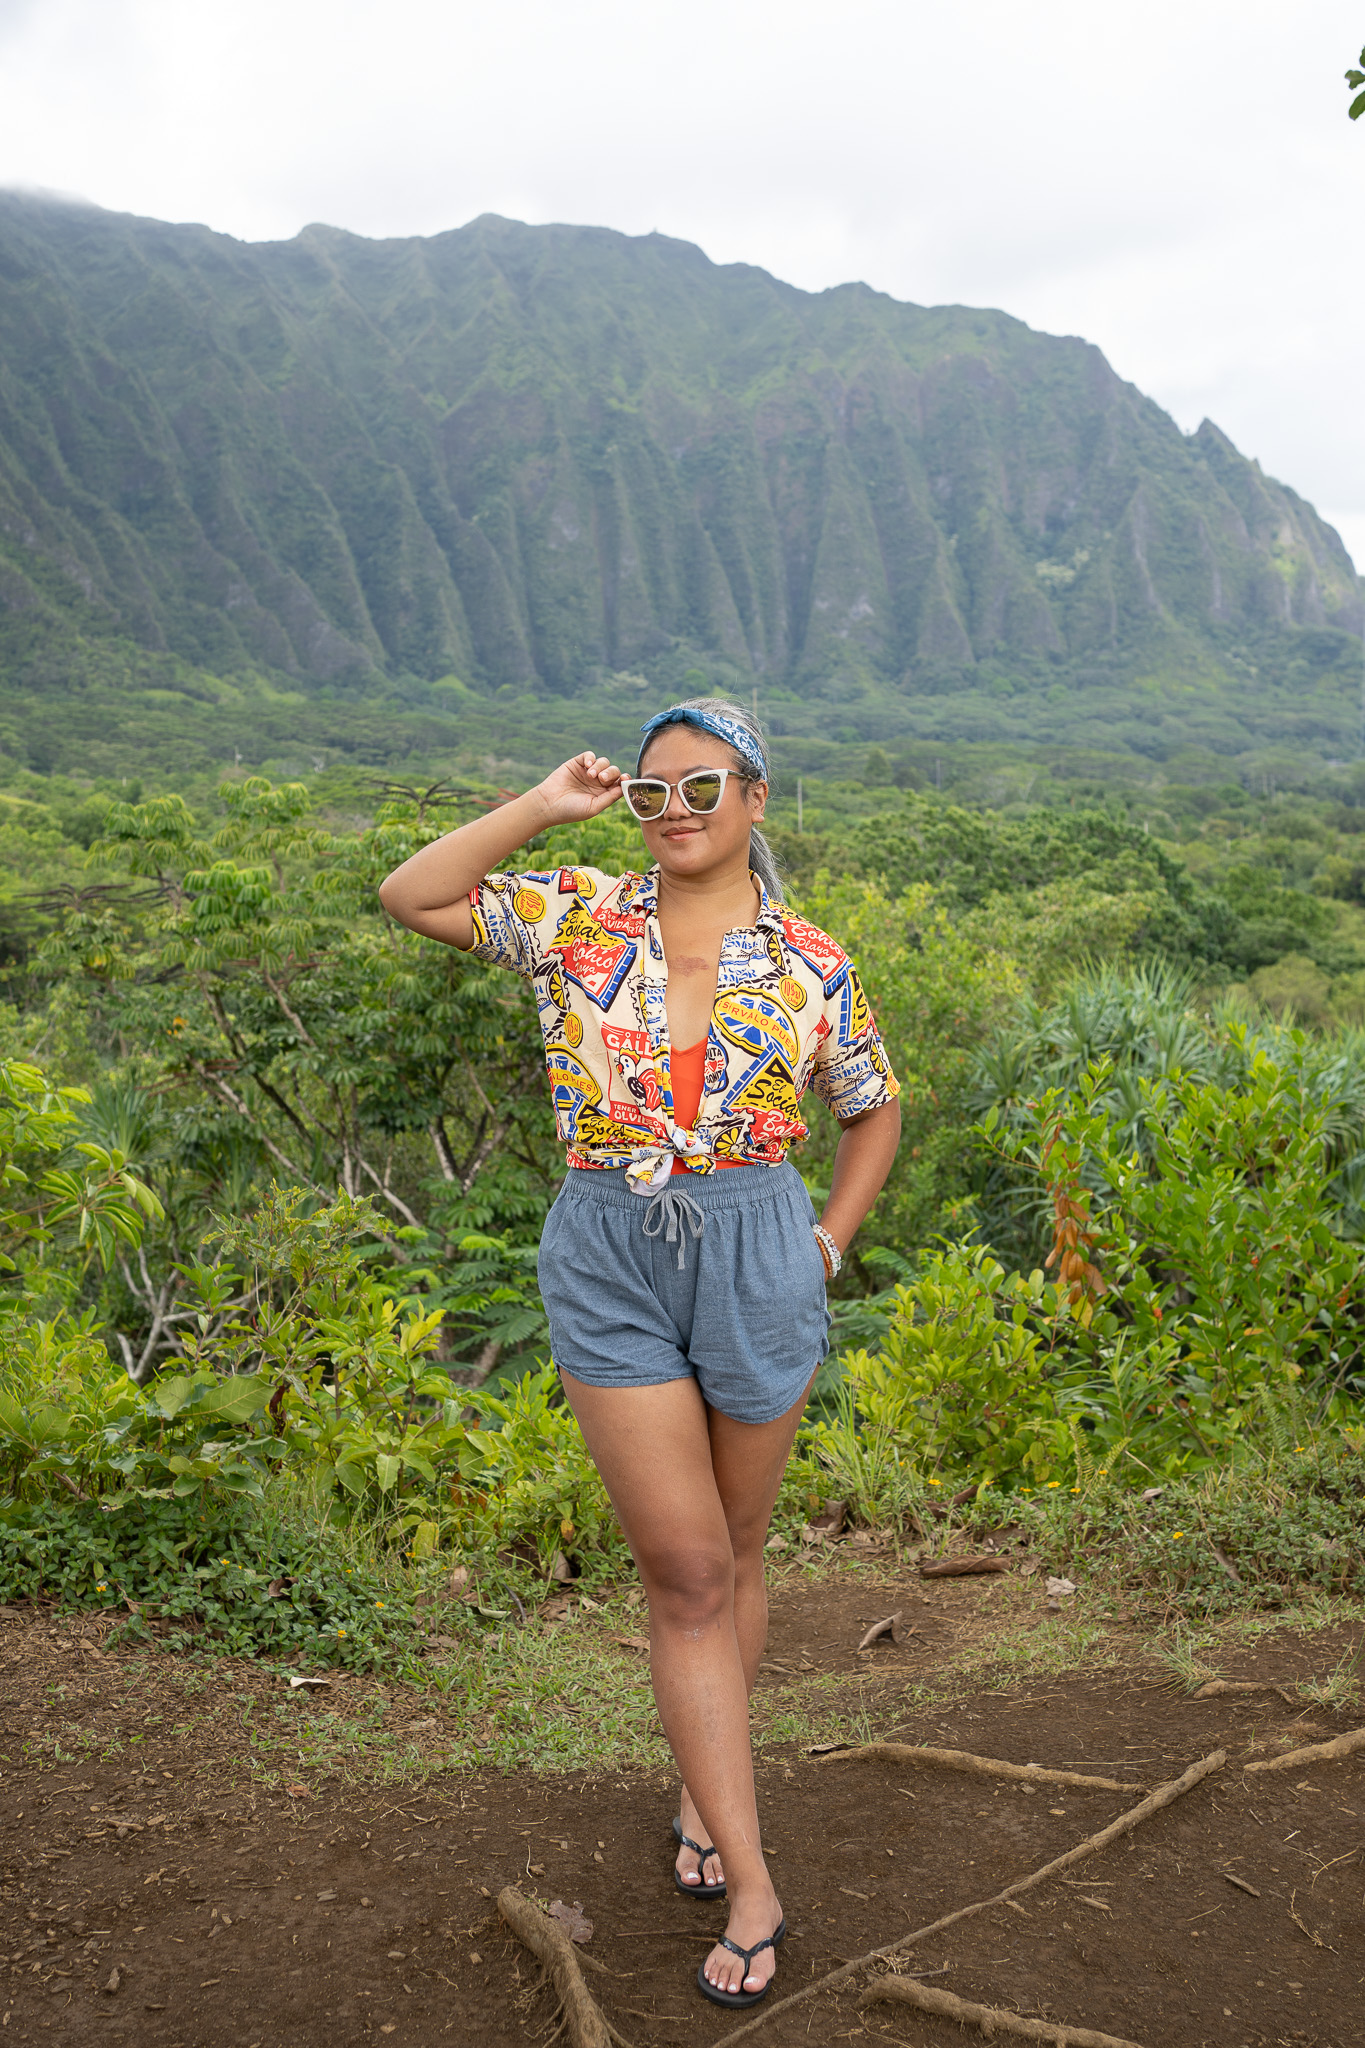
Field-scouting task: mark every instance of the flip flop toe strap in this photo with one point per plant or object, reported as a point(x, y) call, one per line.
point(747, 1954)
point(696, 1847)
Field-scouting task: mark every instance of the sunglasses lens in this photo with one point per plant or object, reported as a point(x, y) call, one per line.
point(702, 792)
point(647, 799)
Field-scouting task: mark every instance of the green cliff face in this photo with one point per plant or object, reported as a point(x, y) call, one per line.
point(524, 455)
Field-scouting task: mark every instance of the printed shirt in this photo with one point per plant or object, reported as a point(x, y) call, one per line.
point(789, 1014)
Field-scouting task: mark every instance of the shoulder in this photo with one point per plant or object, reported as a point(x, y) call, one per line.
point(815, 948)
point(542, 892)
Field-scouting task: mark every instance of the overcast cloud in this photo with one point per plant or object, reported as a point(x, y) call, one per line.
point(1176, 181)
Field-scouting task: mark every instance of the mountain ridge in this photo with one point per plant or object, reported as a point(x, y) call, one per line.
point(533, 456)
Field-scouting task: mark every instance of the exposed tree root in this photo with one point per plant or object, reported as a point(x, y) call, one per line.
point(989, 2018)
point(1217, 1688)
point(1164, 1795)
point(1314, 1753)
point(588, 2026)
point(979, 1766)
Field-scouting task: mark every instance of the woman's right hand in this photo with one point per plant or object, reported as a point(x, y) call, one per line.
point(584, 786)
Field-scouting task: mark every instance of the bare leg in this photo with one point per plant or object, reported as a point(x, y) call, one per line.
point(748, 1490)
point(679, 1475)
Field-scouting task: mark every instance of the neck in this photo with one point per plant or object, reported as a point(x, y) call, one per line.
point(731, 890)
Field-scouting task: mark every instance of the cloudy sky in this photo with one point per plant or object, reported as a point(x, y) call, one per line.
point(1176, 181)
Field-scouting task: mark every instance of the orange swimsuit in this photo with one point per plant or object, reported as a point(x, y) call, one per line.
point(688, 1071)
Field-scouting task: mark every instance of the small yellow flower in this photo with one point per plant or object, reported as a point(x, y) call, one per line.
point(936, 1482)
point(1052, 1484)
point(1104, 1471)
point(102, 1587)
point(1298, 1447)
point(1176, 1535)
point(1027, 1490)
point(379, 1603)
point(341, 1631)
point(1075, 1489)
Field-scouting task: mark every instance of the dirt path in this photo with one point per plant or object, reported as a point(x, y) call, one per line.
point(163, 1895)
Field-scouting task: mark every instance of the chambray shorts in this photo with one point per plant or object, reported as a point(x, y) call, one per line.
point(744, 1316)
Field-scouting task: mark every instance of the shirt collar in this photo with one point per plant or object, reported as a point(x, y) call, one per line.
point(645, 900)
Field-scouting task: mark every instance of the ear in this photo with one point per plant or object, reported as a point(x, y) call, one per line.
point(756, 795)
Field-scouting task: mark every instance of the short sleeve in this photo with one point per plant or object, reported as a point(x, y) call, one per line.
point(509, 913)
point(516, 917)
point(852, 1073)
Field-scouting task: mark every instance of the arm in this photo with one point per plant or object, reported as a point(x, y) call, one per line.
point(430, 892)
point(866, 1149)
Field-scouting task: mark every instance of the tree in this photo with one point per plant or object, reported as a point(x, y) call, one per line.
point(1355, 80)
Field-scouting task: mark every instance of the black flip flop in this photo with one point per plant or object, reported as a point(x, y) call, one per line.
point(718, 1997)
point(695, 1891)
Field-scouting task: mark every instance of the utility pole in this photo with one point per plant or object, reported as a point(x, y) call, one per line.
point(800, 824)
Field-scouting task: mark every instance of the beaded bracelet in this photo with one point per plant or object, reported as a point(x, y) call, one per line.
point(833, 1256)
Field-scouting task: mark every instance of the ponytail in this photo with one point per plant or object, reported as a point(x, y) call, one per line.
point(763, 861)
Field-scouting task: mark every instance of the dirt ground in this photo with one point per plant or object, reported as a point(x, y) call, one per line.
point(171, 1842)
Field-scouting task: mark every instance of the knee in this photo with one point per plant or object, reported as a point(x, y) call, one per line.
point(691, 1587)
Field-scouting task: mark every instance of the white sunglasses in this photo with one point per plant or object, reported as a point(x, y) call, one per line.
point(648, 795)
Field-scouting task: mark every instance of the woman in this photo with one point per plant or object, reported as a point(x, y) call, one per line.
point(685, 1011)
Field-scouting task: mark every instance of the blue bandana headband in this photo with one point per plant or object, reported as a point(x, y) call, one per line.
point(728, 729)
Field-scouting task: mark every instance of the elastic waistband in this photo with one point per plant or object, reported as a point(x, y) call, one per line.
point(742, 1186)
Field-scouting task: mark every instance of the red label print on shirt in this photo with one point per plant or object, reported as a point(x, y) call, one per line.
point(634, 1077)
point(818, 949)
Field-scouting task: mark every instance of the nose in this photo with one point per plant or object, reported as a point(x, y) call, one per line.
point(676, 810)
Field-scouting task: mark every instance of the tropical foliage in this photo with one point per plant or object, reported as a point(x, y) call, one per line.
point(272, 1174)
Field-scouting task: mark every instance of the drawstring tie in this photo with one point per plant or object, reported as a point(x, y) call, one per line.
point(670, 1212)
point(670, 1206)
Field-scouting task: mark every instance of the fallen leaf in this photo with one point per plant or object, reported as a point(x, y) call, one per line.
point(632, 1642)
point(535, 1869)
point(1059, 1589)
point(277, 1588)
point(572, 1919)
point(559, 1568)
point(831, 1520)
point(889, 1625)
point(298, 1791)
point(457, 1580)
point(556, 1609)
point(297, 1684)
